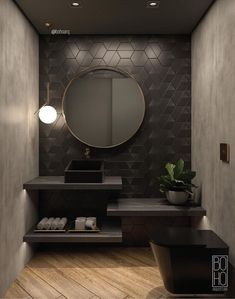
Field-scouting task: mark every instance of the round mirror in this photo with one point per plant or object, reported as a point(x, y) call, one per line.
point(103, 107)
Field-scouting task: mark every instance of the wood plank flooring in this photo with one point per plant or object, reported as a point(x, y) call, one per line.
point(90, 273)
point(106, 273)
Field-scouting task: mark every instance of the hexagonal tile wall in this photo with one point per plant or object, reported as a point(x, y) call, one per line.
point(162, 67)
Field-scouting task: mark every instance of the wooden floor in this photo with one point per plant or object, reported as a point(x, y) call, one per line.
point(90, 273)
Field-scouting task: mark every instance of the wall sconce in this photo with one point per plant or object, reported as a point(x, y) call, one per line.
point(47, 114)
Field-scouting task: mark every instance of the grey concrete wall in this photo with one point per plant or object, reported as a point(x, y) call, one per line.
point(18, 137)
point(213, 117)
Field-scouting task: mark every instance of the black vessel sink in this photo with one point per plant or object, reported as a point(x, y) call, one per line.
point(84, 171)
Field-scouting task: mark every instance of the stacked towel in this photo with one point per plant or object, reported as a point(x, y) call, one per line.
point(52, 223)
point(55, 223)
point(48, 224)
point(62, 223)
point(80, 223)
point(42, 223)
point(93, 219)
point(90, 223)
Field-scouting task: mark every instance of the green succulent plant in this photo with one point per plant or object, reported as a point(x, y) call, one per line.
point(177, 178)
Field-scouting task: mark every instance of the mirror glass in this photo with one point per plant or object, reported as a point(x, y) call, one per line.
point(103, 110)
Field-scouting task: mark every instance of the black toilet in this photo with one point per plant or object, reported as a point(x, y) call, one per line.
point(184, 256)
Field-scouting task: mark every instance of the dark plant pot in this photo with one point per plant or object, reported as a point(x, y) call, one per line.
point(177, 197)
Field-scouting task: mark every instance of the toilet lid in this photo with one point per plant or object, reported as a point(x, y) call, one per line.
point(182, 236)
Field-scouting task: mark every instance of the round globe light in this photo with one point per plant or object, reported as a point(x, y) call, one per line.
point(47, 114)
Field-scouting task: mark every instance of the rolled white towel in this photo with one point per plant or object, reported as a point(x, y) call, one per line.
point(90, 224)
point(42, 223)
point(93, 219)
point(47, 225)
point(80, 223)
point(55, 223)
point(62, 223)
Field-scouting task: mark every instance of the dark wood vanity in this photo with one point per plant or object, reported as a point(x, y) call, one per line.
point(57, 183)
point(111, 228)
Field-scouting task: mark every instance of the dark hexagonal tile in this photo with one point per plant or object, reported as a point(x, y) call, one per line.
point(166, 58)
point(139, 44)
point(142, 158)
point(108, 56)
point(156, 48)
point(139, 58)
point(125, 47)
point(150, 53)
point(125, 54)
point(87, 59)
point(98, 50)
point(111, 44)
point(124, 62)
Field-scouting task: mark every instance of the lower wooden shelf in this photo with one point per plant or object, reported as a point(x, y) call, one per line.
point(110, 233)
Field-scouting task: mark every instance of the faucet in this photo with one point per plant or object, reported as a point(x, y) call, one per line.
point(87, 153)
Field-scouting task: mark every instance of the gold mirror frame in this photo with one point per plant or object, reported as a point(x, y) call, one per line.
point(100, 68)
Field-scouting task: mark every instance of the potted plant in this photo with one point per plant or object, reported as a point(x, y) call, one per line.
point(177, 183)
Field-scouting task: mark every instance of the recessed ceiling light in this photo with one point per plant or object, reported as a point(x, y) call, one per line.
point(48, 24)
point(153, 4)
point(75, 4)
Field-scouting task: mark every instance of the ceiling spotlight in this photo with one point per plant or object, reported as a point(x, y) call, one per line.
point(48, 24)
point(153, 4)
point(75, 4)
